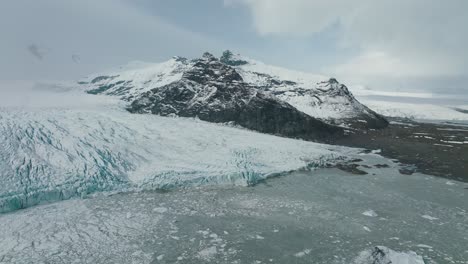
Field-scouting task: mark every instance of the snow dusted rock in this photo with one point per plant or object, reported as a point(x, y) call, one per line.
point(215, 92)
point(318, 96)
point(384, 255)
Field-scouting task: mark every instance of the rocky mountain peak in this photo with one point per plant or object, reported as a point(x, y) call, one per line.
point(180, 59)
point(208, 56)
point(335, 88)
point(233, 60)
point(209, 69)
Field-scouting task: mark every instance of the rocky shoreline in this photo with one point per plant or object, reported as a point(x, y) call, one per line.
point(435, 149)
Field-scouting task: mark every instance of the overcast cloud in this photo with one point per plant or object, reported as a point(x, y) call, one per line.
point(396, 38)
point(385, 44)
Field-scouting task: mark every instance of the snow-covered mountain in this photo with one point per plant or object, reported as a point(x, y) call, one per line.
point(317, 96)
point(215, 92)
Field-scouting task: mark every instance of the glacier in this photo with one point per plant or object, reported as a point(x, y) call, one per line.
point(76, 144)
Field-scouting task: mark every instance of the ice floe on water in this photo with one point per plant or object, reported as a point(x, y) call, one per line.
point(384, 255)
point(306, 217)
point(370, 213)
point(428, 217)
point(302, 253)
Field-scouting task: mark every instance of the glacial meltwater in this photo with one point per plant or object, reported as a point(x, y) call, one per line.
point(322, 216)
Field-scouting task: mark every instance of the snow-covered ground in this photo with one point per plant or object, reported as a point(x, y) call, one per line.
point(413, 105)
point(418, 111)
point(72, 144)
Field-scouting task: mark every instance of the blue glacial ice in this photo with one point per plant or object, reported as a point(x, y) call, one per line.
point(82, 144)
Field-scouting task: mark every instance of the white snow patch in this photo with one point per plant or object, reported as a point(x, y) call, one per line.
point(414, 110)
point(376, 151)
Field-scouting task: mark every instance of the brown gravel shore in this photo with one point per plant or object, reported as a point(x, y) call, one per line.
point(435, 149)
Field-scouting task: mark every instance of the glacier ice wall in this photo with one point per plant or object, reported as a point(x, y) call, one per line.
point(55, 153)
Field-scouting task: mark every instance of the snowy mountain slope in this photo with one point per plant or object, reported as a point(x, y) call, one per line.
point(267, 76)
point(58, 152)
point(315, 95)
point(215, 92)
point(318, 96)
point(133, 79)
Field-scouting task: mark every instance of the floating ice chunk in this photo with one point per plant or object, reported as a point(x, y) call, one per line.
point(208, 253)
point(423, 246)
point(450, 183)
point(160, 210)
point(302, 253)
point(366, 228)
point(428, 217)
point(204, 233)
point(384, 255)
point(370, 213)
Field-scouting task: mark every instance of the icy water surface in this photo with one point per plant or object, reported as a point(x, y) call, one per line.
point(325, 216)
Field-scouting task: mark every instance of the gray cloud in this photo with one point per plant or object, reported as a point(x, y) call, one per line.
point(76, 58)
point(36, 51)
point(109, 32)
point(396, 38)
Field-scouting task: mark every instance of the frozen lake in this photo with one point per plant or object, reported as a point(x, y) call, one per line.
point(323, 216)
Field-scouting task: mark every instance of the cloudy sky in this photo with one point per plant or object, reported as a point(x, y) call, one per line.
point(388, 44)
